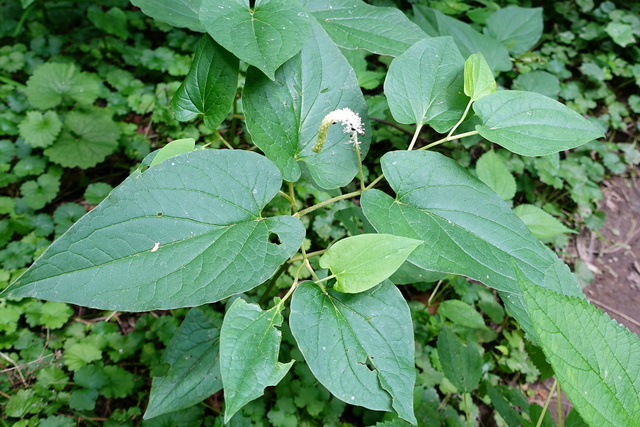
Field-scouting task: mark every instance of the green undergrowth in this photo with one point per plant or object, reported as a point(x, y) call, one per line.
point(85, 95)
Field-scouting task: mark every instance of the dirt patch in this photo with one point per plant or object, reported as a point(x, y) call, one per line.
point(613, 253)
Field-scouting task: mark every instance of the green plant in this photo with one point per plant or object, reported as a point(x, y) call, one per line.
point(192, 227)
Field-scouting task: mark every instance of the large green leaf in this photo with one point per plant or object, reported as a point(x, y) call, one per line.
point(283, 116)
point(468, 40)
point(517, 28)
point(461, 363)
point(359, 346)
point(353, 24)
point(194, 367)
point(468, 229)
point(596, 360)
point(179, 13)
point(249, 348)
point(265, 36)
point(424, 85)
point(531, 124)
point(210, 86)
point(183, 233)
point(361, 262)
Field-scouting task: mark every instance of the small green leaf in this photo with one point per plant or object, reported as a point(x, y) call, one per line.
point(36, 194)
point(461, 314)
point(40, 130)
point(494, 172)
point(461, 363)
point(249, 348)
point(55, 314)
point(83, 399)
point(119, 382)
point(531, 124)
point(81, 354)
point(594, 358)
point(517, 28)
point(51, 83)
point(183, 233)
point(86, 140)
point(424, 85)
point(97, 192)
point(113, 21)
point(361, 262)
point(179, 146)
point(265, 36)
point(538, 81)
point(353, 24)
point(194, 372)
point(541, 224)
point(478, 78)
point(179, 13)
point(210, 87)
point(622, 34)
point(359, 346)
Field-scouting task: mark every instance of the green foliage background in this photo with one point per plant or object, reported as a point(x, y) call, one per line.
point(85, 94)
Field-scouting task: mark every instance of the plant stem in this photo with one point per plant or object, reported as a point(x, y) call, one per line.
point(449, 138)
point(224, 141)
point(415, 136)
point(307, 256)
point(356, 144)
point(464, 115)
point(559, 398)
point(272, 283)
point(546, 403)
point(327, 202)
point(11, 82)
point(234, 120)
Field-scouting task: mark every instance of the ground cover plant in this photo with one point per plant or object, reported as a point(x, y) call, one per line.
point(337, 217)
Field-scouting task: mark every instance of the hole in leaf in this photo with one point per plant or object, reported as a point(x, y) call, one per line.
point(159, 214)
point(370, 364)
point(273, 238)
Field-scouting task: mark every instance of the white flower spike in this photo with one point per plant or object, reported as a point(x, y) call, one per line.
point(351, 121)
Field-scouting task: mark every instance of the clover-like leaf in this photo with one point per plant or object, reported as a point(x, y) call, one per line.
point(36, 194)
point(210, 87)
point(40, 130)
point(265, 36)
point(51, 83)
point(361, 262)
point(183, 233)
point(359, 346)
point(249, 348)
point(194, 367)
point(87, 138)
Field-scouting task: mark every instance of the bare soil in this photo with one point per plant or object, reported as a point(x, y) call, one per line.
point(613, 252)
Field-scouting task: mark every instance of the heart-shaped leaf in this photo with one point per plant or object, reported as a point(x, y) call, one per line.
point(531, 124)
point(361, 262)
point(359, 346)
point(194, 367)
point(517, 28)
point(468, 40)
point(183, 233)
point(478, 78)
point(424, 85)
point(179, 13)
point(210, 87)
point(466, 227)
point(265, 36)
point(283, 119)
point(353, 24)
point(249, 348)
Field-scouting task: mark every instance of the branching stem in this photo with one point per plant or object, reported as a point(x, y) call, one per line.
point(415, 136)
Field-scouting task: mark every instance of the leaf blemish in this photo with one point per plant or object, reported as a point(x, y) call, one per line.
point(156, 246)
